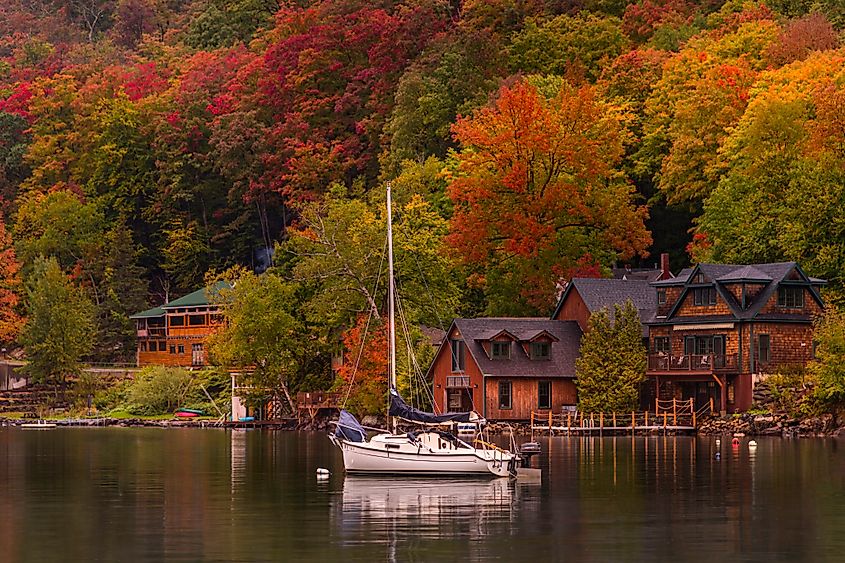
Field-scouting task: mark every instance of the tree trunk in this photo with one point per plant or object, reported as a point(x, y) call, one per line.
point(287, 396)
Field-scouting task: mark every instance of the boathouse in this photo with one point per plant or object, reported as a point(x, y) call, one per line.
point(717, 328)
point(174, 334)
point(505, 368)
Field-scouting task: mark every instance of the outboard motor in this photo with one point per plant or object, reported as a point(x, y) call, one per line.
point(527, 451)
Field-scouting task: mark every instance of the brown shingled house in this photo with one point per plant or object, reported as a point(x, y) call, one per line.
point(504, 368)
point(717, 326)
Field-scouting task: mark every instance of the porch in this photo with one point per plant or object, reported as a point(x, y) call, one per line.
point(662, 363)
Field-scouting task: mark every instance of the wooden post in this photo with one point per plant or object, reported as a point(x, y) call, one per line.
point(633, 422)
point(592, 420)
point(665, 416)
point(550, 423)
point(568, 421)
point(581, 425)
point(646, 418)
point(657, 403)
point(711, 406)
point(614, 419)
point(532, 420)
point(601, 420)
point(674, 407)
point(693, 419)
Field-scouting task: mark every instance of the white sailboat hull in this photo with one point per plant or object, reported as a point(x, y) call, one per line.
point(396, 455)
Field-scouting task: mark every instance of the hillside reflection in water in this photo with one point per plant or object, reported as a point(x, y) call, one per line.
point(215, 495)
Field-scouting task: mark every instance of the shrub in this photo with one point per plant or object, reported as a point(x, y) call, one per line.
point(160, 389)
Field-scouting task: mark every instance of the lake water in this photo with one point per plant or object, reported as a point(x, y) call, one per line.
point(119, 494)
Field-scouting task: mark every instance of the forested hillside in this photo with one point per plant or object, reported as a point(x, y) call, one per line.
point(146, 145)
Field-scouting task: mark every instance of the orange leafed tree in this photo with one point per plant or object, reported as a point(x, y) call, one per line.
point(536, 190)
point(365, 370)
point(10, 286)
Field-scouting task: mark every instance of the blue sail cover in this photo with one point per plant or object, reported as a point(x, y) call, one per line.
point(349, 428)
point(401, 409)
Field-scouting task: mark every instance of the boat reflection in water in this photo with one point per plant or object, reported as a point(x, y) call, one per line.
point(385, 508)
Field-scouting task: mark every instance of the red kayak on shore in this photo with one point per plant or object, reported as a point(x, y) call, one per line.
point(186, 414)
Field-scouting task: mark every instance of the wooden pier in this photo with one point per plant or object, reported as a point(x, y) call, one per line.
point(669, 416)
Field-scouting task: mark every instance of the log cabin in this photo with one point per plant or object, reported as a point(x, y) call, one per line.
point(504, 368)
point(717, 328)
point(175, 333)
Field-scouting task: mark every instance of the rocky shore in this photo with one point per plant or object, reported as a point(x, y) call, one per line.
point(772, 425)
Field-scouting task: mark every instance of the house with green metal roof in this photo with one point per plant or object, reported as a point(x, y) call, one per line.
point(174, 333)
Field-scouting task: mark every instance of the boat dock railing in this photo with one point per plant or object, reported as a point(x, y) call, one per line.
point(669, 415)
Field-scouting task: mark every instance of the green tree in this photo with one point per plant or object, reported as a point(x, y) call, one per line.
point(60, 326)
point(612, 362)
point(584, 42)
point(121, 291)
point(339, 245)
point(829, 365)
point(262, 335)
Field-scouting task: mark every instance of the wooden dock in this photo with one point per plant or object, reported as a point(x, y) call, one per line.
point(669, 416)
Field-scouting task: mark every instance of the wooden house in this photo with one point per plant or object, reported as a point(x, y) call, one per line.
point(716, 326)
point(584, 296)
point(504, 368)
point(175, 333)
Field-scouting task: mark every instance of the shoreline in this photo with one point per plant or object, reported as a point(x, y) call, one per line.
point(746, 424)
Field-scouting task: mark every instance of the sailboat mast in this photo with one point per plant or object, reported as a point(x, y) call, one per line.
point(391, 295)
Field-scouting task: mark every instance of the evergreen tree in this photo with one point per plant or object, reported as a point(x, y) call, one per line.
point(60, 327)
point(120, 293)
point(612, 362)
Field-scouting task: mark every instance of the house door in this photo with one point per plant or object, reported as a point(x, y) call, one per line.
point(196, 355)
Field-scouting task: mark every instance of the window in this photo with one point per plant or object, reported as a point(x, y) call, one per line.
point(181, 348)
point(791, 297)
point(177, 321)
point(505, 395)
point(661, 296)
point(500, 350)
point(143, 346)
point(764, 348)
point(705, 296)
point(196, 320)
point(173, 349)
point(162, 346)
point(457, 381)
point(458, 355)
point(661, 344)
point(541, 351)
point(544, 394)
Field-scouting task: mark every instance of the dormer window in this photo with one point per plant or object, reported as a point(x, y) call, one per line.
point(700, 278)
point(704, 296)
point(500, 350)
point(791, 297)
point(541, 351)
point(661, 296)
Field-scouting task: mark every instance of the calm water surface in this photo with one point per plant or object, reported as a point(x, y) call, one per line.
point(215, 495)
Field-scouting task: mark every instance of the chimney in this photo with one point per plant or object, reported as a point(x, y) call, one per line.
point(665, 273)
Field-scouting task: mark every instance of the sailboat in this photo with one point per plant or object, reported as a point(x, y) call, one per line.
point(428, 451)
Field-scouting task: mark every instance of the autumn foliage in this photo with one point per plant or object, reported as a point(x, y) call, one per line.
point(535, 186)
point(363, 373)
point(528, 142)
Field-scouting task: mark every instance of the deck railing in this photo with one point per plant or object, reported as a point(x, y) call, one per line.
point(672, 414)
point(692, 362)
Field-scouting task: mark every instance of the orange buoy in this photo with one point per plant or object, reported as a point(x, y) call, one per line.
point(735, 442)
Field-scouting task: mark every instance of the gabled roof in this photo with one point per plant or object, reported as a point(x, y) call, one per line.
point(745, 274)
point(197, 298)
point(149, 313)
point(600, 293)
point(772, 274)
point(564, 350)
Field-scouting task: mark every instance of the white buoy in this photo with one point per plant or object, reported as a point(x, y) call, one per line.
point(718, 442)
point(752, 444)
point(323, 473)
